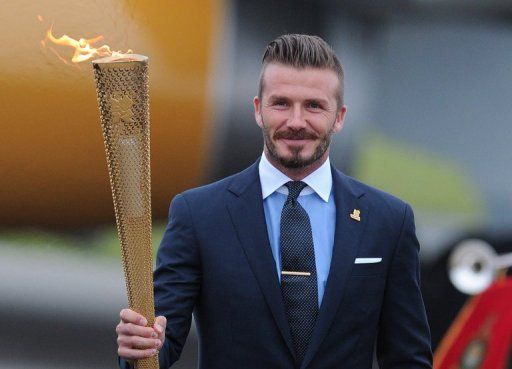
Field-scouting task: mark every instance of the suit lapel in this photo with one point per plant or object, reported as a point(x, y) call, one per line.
point(348, 234)
point(248, 217)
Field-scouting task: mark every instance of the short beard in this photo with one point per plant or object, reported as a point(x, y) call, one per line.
point(296, 161)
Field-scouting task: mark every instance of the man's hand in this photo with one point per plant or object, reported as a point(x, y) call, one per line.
point(137, 341)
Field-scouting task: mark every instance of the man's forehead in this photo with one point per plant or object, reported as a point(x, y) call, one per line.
point(281, 77)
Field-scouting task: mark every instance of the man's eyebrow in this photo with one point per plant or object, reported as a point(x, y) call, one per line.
point(318, 100)
point(310, 100)
point(277, 97)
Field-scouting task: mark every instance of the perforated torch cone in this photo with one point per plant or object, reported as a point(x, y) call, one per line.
point(122, 87)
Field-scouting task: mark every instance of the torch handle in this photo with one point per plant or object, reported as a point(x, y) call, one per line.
point(137, 264)
point(149, 363)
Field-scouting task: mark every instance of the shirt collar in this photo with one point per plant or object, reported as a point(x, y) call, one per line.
point(272, 179)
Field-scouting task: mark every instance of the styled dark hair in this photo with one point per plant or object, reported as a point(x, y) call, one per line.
point(302, 51)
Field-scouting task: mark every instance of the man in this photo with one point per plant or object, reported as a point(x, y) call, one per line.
point(290, 263)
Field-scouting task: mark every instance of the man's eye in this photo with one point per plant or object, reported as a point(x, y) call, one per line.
point(314, 105)
point(280, 103)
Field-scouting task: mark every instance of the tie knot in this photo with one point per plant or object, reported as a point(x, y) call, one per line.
point(294, 189)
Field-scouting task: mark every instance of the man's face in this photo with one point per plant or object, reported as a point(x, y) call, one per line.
point(298, 113)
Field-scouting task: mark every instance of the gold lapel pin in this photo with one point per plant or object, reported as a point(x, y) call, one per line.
point(356, 215)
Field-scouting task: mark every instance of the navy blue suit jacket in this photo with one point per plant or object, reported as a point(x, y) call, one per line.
point(215, 261)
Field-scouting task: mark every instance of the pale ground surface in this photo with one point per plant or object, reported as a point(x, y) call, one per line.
point(59, 310)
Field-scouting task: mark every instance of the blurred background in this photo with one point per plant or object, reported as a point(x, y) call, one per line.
point(428, 89)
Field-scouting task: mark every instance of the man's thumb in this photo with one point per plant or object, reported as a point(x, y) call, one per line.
point(160, 324)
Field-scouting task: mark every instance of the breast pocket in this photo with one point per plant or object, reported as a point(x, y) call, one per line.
point(363, 268)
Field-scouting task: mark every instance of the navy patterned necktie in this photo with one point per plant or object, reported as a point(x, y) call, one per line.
point(298, 270)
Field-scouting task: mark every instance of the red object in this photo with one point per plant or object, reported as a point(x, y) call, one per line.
point(481, 336)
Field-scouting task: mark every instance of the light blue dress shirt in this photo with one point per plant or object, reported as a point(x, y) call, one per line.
point(316, 198)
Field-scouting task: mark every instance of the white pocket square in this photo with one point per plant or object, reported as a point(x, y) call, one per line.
point(367, 260)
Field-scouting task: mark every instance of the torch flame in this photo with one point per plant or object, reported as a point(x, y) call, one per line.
point(83, 48)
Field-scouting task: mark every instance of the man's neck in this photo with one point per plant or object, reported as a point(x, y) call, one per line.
point(297, 174)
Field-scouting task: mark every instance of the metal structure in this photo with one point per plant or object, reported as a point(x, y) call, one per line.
point(474, 265)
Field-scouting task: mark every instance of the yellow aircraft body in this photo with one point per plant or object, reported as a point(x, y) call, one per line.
point(52, 159)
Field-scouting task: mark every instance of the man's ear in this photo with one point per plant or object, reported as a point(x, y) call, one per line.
point(340, 119)
point(257, 111)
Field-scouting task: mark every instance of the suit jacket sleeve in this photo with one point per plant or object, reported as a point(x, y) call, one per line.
point(404, 336)
point(177, 280)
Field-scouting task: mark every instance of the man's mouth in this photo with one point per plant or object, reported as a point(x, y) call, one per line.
point(295, 136)
point(294, 141)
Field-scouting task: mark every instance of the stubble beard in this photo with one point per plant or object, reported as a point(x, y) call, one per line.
point(296, 161)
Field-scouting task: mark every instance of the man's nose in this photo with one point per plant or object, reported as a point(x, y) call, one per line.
point(296, 120)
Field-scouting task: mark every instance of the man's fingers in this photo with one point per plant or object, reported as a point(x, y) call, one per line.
point(130, 316)
point(136, 340)
point(129, 329)
point(141, 343)
point(134, 354)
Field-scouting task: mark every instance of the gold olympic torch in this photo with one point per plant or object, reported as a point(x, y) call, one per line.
point(122, 88)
